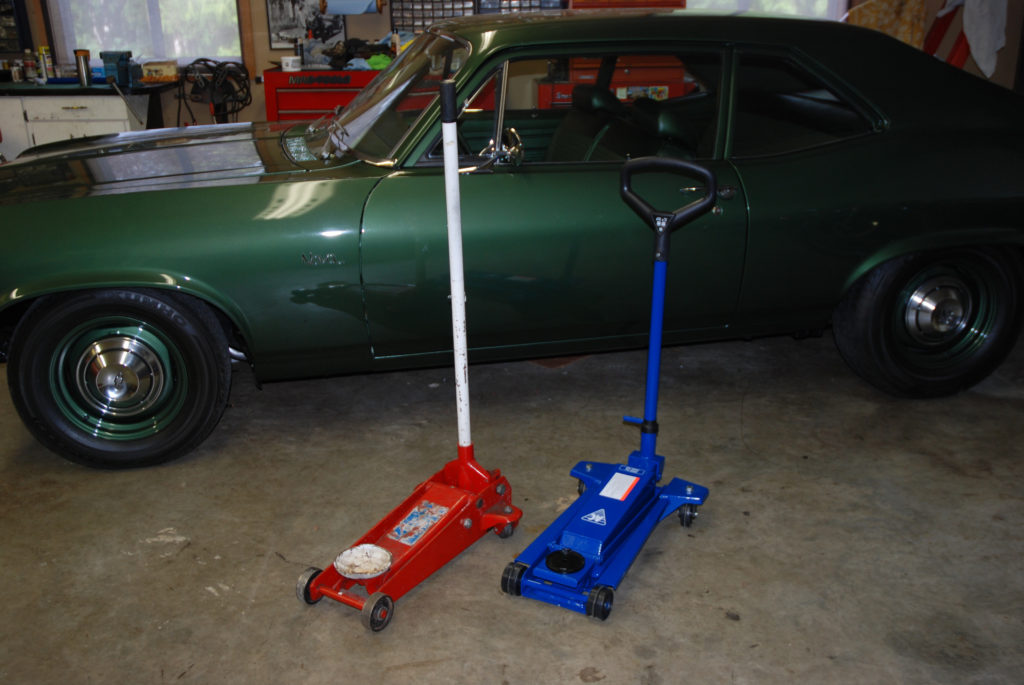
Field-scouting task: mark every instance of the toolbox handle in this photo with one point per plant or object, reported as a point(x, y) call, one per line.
point(668, 221)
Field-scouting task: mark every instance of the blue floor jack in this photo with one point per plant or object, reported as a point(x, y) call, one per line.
point(579, 561)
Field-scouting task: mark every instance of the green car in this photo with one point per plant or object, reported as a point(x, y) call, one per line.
point(861, 184)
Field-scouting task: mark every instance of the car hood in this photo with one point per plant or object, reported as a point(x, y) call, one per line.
point(222, 154)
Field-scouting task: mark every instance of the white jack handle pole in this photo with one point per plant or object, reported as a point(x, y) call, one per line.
point(449, 137)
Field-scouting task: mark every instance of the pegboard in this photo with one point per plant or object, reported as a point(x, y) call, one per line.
point(416, 15)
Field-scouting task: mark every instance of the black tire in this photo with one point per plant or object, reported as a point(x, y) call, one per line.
point(599, 602)
point(512, 579)
point(119, 378)
point(303, 584)
point(932, 324)
point(377, 612)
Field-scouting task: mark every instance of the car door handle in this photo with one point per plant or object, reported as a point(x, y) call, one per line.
point(724, 192)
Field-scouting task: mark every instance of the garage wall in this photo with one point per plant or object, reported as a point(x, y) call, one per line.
point(259, 56)
point(1007, 59)
point(255, 45)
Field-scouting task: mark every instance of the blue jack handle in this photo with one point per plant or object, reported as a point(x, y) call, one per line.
point(663, 224)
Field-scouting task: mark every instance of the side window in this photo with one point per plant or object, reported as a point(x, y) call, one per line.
point(781, 107)
point(597, 108)
point(614, 107)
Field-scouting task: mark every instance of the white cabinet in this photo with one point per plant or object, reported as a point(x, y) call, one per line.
point(50, 118)
point(13, 129)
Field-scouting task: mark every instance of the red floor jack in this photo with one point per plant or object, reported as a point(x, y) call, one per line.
point(445, 514)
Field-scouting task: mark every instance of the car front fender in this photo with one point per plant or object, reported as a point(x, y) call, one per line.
point(68, 282)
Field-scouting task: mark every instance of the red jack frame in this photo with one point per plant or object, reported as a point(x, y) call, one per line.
point(444, 515)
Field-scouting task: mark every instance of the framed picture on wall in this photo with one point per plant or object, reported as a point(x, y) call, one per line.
point(291, 20)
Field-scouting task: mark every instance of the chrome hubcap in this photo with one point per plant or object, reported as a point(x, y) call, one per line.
point(937, 311)
point(119, 376)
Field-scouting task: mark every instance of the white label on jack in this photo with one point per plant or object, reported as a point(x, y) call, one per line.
point(596, 517)
point(619, 486)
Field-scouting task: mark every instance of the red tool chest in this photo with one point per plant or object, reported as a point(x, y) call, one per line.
point(310, 94)
point(655, 77)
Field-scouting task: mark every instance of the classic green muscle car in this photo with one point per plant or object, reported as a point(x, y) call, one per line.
point(861, 184)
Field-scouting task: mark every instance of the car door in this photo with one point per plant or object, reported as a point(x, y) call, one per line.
point(554, 260)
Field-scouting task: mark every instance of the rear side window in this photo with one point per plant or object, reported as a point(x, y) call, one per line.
point(782, 107)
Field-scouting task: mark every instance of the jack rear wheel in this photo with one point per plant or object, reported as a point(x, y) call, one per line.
point(304, 583)
point(687, 515)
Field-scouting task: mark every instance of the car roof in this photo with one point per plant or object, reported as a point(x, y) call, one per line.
point(493, 31)
point(904, 82)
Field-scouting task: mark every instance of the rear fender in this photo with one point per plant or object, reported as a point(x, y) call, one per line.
point(1012, 238)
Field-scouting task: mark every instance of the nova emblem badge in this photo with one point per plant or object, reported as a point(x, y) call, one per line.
point(311, 259)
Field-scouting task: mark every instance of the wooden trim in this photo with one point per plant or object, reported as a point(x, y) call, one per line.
point(38, 26)
point(245, 33)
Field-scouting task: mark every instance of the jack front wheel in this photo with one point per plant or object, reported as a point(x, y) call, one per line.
point(599, 602)
point(377, 612)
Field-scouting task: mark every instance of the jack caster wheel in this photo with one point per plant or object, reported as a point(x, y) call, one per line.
point(507, 531)
point(304, 583)
point(512, 579)
point(377, 612)
point(599, 602)
point(687, 515)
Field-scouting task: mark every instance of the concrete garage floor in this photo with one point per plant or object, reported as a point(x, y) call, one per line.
point(849, 537)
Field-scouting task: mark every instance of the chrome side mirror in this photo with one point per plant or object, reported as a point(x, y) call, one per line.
point(512, 150)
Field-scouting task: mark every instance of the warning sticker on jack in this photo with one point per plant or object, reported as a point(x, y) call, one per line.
point(417, 522)
point(619, 486)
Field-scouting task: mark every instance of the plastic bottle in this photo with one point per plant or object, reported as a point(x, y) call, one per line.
point(28, 62)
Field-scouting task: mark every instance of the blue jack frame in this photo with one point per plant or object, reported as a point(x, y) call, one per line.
point(580, 559)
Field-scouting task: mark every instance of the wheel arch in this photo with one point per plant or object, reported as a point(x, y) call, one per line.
point(1012, 238)
point(17, 301)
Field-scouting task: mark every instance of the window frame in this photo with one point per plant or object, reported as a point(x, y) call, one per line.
point(41, 26)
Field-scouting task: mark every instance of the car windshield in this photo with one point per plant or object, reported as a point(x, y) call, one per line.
point(376, 121)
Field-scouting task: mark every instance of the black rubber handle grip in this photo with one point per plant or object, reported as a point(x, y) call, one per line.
point(680, 216)
point(449, 113)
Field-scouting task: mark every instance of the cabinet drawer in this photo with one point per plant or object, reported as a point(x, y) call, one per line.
point(309, 101)
point(71, 108)
point(51, 132)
